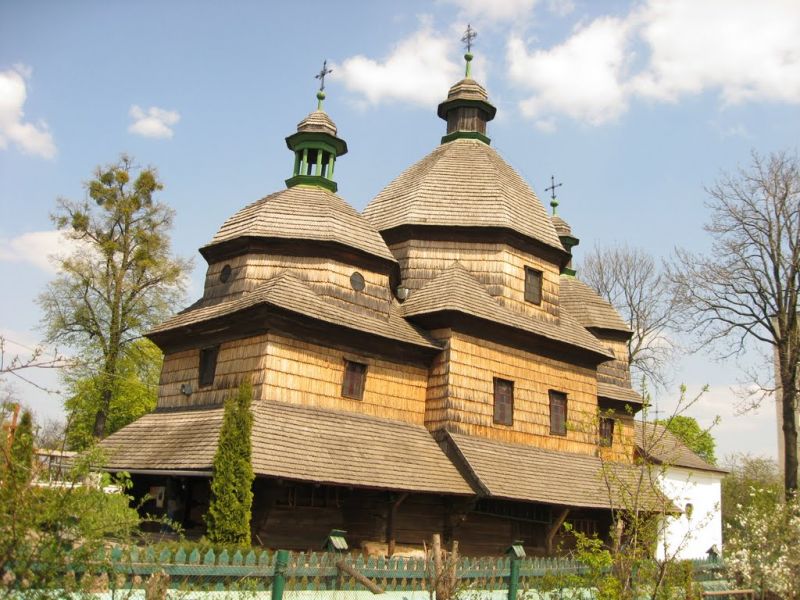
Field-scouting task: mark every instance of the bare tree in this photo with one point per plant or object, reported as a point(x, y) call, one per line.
point(30, 358)
point(746, 288)
point(632, 282)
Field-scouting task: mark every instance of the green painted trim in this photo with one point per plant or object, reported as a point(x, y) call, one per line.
point(448, 105)
point(466, 135)
point(316, 139)
point(313, 180)
point(568, 272)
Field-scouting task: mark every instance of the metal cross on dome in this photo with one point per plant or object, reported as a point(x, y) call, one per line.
point(470, 35)
point(552, 188)
point(321, 75)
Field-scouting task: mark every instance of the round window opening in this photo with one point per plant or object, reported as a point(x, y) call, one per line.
point(225, 274)
point(357, 281)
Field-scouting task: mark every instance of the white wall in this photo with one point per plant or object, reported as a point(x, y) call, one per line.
point(691, 536)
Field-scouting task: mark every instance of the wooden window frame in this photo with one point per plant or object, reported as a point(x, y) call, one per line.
point(498, 409)
point(556, 397)
point(606, 430)
point(534, 296)
point(207, 366)
point(348, 391)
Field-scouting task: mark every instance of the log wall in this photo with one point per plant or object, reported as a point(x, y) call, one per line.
point(329, 278)
point(303, 373)
point(236, 361)
point(499, 267)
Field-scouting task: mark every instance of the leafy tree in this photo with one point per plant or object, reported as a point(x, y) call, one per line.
point(631, 281)
point(747, 288)
point(228, 517)
point(746, 474)
point(134, 393)
point(120, 282)
point(19, 467)
point(688, 430)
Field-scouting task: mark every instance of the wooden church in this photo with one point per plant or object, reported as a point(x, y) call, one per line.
point(430, 365)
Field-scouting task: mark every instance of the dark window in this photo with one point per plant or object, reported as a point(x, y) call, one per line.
point(503, 401)
point(533, 286)
point(357, 281)
point(606, 431)
point(558, 413)
point(225, 274)
point(353, 382)
point(208, 365)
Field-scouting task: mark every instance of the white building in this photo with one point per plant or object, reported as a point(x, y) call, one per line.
point(693, 485)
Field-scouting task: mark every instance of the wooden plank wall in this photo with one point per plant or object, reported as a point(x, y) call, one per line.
point(473, 365)
point(236, 361)
point(309, 374)
point(499, 267)
point(437, 393)
point(329, 278)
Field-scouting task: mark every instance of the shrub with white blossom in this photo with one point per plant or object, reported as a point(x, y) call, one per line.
point(762, 550)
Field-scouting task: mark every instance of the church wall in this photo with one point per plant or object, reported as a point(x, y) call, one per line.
point(499, 267)
point(615, 371)
point(473, 365)
point(236, 361)
point(329, 278)
point(438, 378)
point(309, 374)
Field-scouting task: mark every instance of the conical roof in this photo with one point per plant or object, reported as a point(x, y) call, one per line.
point(317, 121)
point(304, 213)
point(562, 227)
point(463, 183)
point(466, 91)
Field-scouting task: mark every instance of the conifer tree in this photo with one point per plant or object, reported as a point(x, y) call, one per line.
point(228, 517)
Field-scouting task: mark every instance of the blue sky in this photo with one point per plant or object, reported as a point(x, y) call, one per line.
point(635, 106)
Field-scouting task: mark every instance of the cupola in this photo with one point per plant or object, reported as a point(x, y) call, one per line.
point(562, 228)
point(315, 145)
point(467, 108)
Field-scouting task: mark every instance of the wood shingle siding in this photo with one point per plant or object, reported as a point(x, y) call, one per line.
point(463, 183)
point(308, 374)
point(589, 308)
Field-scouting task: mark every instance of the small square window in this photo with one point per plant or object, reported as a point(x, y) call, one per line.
point(208, 366)
point(606, 432)
point(353, 382)
point(503, 401)
point(533, 286)
point(558, 413)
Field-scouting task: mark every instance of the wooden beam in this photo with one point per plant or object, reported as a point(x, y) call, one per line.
point(390, 521)
point(363, 580)
point(554, 527)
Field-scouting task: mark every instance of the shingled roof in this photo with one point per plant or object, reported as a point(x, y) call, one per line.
point(288, 292)
point(591, 311)
point(655, 442)
point(532, 474)
point(456, 289)
point(462, 183)
point(304, 213)
point(294, 442)
point(618, 392)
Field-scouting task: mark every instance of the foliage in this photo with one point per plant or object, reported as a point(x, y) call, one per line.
point(688, 430)
point(632, 282)
point(228, 517)
point(746, 473)
point(135, 391)
point(762, 545)
point(120, 281)
point(19, 465)
point(747, 289)
point(47, 531)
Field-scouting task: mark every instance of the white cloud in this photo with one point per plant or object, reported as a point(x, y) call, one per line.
point(419, 70)
point(743, 51)
point(561, 8)
point(37, 248)
point(496, 10)
point(583, 78)
point(154, 123)
point(30, 138)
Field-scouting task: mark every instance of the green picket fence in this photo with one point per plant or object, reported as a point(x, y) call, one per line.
point(196, 569)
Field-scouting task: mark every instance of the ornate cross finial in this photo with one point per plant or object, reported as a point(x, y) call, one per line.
point(321, 75)
point(552, 190)
point(469, 35)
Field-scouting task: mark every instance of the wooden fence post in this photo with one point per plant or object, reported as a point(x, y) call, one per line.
point(279, 579)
